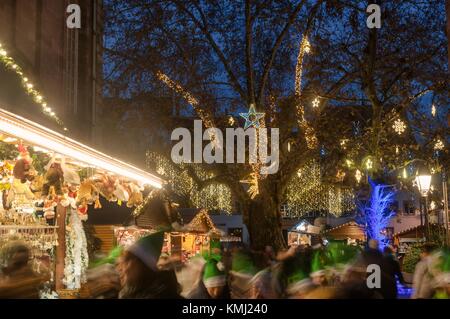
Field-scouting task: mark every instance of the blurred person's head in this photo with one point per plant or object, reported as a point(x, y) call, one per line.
point(318, 273)
point(214, 278)
point(14, 256)
point(387, 250)
point(138, 264)
point(426, 250)
point(373, 244)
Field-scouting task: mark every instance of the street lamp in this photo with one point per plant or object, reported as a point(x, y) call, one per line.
point(423, 181)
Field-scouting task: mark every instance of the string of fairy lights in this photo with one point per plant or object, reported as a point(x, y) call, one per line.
point(310, 134)
point(30, 89)
point(306, 193)
point(214, 196)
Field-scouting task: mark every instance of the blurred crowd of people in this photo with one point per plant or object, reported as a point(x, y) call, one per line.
point(332, 271)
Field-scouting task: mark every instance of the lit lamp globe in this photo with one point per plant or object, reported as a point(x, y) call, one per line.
point(423, 181)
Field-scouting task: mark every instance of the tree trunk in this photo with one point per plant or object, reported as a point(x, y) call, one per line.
point(447, 6)
point(263, 221)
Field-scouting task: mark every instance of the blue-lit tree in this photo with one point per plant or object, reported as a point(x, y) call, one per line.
point(377, 213)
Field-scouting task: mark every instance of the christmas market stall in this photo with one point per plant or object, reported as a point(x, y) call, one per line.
point(415, 235)
point(195, 237)
point(303, 233)
point(49, 184)
point(351, 232)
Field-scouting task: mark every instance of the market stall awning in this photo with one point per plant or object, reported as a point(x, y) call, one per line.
point(40, 136)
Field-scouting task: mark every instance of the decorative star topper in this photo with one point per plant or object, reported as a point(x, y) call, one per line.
point(316, 103)
point(252, 117)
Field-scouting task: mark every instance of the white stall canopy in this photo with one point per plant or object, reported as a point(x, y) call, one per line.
point(40, 136)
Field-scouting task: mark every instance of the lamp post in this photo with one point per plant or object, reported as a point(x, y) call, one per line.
point(423, 181)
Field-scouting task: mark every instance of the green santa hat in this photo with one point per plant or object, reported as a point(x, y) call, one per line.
point(318, 264)
point(111, 258)
point(148, 249)
point(242, 263)
point(214, 275)
point(443, 279)
point(341, 254)
point(214, 244)
point(298, 282)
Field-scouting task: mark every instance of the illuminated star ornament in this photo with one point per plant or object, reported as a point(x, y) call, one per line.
point(316, 103)
point(399, 127)
point(252, 117)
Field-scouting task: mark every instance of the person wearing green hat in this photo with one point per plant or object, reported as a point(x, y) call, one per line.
point(443, 278)
point(318, 272)
point(140, 277)
point(292, 272)
point(214, 278)
point(241, 274)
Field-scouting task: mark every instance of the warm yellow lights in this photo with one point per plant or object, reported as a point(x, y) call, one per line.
point(316, 103)
point(439, 145)
point(358, 175)
point(29, 87)
point(399, 126)
point(40, 136)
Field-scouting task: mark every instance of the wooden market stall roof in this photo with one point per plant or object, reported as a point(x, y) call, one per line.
point(418, 231)
point(348, 230)
point(202, 223)
point(38, 135)
point(305, 227)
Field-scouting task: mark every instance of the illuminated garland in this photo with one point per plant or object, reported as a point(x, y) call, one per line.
point(29, 87)
point(306, 193)
point(310, 134)
point(193, 101)
point(212, 197)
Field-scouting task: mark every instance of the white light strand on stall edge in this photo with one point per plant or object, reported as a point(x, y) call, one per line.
point(43, 137)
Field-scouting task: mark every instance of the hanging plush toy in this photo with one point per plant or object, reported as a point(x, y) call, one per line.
point(20, 195)
point(37, 185)
point(136, 197)
point(5, 176)
point(121, 192)
point(54, 179)
point(71, 177)
point(107, 187)
point(88, 194)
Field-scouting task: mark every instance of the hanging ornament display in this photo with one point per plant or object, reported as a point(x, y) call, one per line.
point(399, 126)
point(231, 121)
